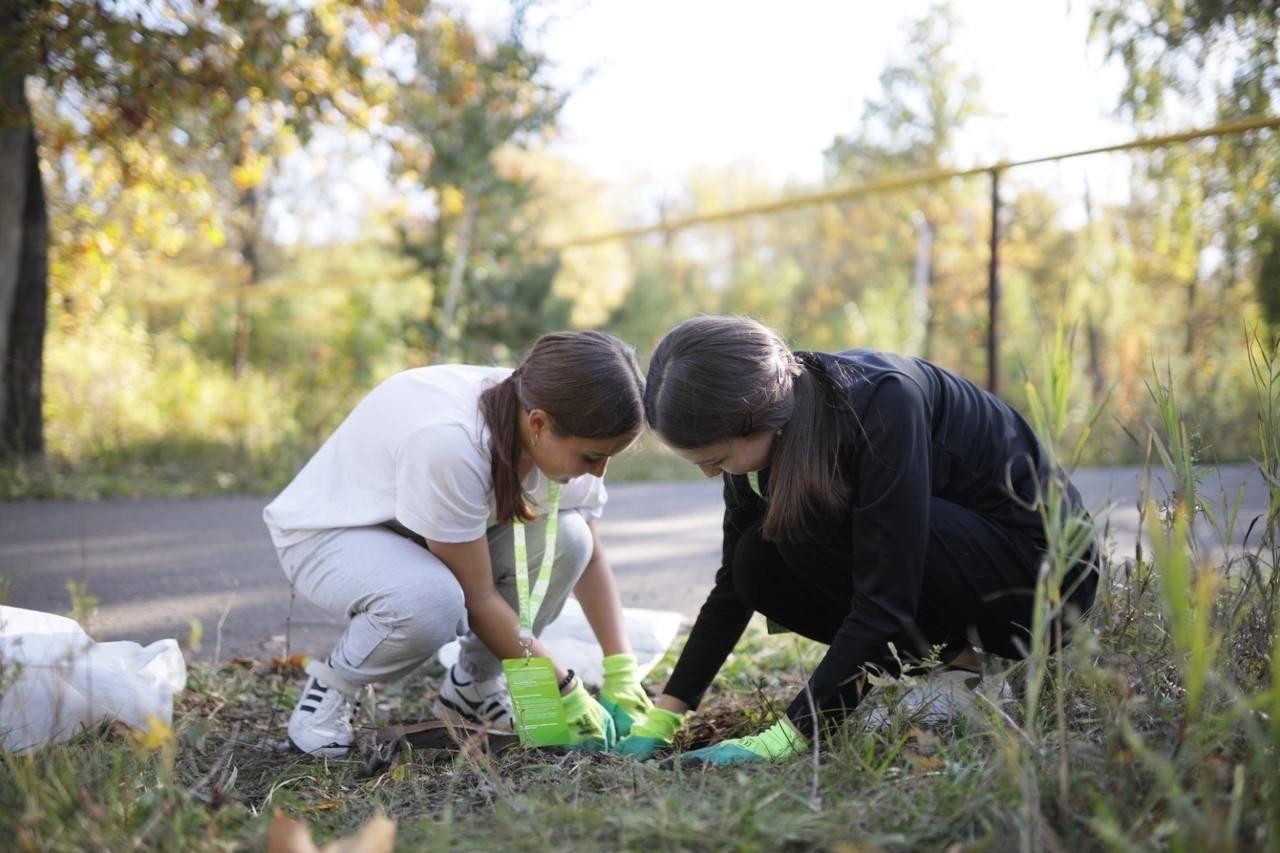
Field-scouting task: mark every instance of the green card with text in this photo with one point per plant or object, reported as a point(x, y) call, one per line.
point(539, 711)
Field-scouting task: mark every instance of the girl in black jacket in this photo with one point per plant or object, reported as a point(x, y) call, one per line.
point(870, 499)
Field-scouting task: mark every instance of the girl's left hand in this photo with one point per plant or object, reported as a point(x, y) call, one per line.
point(779, 741)
point(622, 694)
point(590, 726)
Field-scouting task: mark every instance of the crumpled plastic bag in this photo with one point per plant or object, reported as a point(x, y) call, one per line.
point(54, 680)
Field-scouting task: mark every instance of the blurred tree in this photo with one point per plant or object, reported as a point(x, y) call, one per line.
point(1166, 45)
point(475, 98)
point(1102, 289)
point(755, 273)
point(666, 289)
point(1269, 273)
point(594, 278)
point(1214, 61)
point(122, 71)
point(926, 100)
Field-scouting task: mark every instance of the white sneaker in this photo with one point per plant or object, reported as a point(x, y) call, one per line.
point(322, 723)
point(480, 703)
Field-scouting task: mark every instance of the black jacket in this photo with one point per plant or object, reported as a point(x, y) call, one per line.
point(914, 432)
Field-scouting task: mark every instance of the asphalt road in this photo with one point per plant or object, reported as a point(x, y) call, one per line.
point(155, 565)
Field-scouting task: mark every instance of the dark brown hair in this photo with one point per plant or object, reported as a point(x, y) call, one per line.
point(590, 385)
point(716, 378)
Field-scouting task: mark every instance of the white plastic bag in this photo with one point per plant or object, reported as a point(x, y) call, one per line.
point(54, 679)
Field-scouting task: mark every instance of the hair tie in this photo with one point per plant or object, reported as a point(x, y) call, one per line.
point(515, 374)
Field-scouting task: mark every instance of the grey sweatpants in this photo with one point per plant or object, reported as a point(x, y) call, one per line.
point(403, 602)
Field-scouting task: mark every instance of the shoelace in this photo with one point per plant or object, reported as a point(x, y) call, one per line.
point(316, 691)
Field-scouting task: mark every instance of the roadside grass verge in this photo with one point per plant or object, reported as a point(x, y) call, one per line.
point(168, 468)
point(1138, 774)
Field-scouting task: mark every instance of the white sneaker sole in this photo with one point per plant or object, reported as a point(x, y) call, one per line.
point(323, 751)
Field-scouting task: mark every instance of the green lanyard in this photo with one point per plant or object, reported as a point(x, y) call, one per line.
point(530, 604)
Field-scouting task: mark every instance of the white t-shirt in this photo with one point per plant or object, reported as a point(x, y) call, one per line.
point(416, 450)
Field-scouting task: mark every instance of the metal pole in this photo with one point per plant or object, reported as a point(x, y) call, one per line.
point(993, 290)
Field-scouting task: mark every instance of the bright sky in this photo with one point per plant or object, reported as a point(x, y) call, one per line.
point(664, 87)
point(686, 83)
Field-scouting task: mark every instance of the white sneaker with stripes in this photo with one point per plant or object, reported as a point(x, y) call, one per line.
point(464, 700)
point(323, 721)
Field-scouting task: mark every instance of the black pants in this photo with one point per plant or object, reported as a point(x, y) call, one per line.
point(978, 587)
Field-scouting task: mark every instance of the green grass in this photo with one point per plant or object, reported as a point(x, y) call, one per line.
point(157, 469)
point(1157, 728)
point(1136, 777)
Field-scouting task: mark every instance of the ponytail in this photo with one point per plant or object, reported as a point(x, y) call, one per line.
point(804, 475)
point(500, 405)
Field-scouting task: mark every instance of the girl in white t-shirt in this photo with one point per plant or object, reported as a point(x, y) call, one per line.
point(402, 523)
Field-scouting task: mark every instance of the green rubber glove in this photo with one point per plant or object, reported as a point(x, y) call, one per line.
point(774, 743)
point(656, 730)
point(622, 694)
point(590, 726)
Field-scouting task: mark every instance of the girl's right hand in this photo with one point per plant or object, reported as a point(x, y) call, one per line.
point(656, 731)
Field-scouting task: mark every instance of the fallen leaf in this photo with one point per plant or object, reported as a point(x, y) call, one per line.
point(292, 665)
point(922, 763)
point(378, 835)
point(286, 835)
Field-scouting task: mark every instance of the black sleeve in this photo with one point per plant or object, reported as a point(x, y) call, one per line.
point(890, 527)
point(723, 616)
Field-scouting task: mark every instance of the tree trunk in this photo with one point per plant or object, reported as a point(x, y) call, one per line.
point(1095, 285)
point(24, 245)
point(253, 275)
point(14, 139)
point(922, 278)
point(457, 272)
point(1189, 342)
point(1098, 379)
point(1192, 327)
